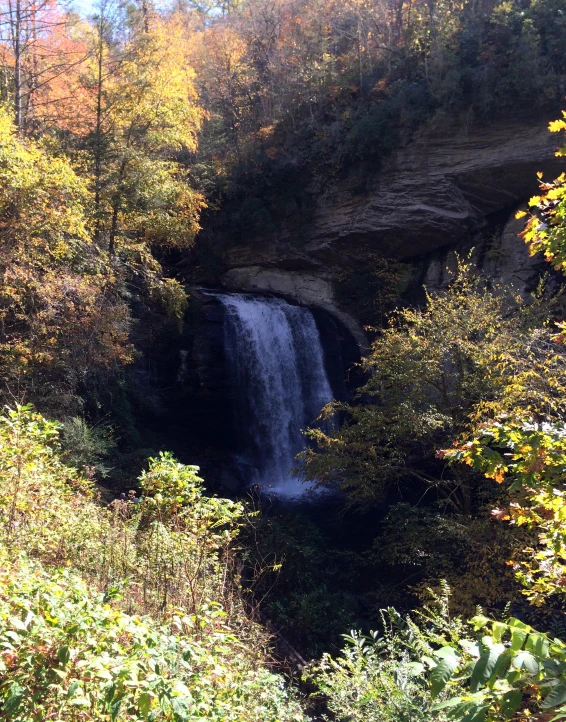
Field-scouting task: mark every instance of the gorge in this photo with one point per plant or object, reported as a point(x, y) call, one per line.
point(282, 361)
point(436, 198)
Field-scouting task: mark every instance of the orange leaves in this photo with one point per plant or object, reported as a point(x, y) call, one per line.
point(499, 476)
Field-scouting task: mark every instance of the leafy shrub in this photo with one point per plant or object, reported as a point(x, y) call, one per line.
point(433, 373)
point(437, 668)
point(68, 652)
point(86, 446)
point(76, 576)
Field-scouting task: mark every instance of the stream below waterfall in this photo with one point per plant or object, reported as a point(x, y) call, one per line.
point(276, 360)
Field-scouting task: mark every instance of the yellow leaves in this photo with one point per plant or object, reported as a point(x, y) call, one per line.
point(556, 126)
point(520, 214)
point(50, 199)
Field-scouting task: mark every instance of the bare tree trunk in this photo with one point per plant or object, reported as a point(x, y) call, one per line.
point(15, 11)
point(360, 63)
point(145, 16)
point(98, 128)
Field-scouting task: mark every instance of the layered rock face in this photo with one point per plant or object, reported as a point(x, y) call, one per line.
point(503, 256)
point(435, 192)
point(438, 196)
point(307, 289)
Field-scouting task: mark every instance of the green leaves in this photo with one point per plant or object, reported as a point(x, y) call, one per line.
point(485, 666)
point(144, 704)
point(68, 651)
point(63, 654)
point(444, 670)
point(486, 673)
point(121, 667)
point(556, 697)
point(535, 460)
point(510, 703)
point(13, 700)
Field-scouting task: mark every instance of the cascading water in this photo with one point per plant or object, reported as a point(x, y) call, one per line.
point(277, 361)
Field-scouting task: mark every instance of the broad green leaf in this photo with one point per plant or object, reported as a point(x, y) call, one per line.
point(442, 673)
point(446, 652)
point(115, 709)
point(501, 667)
point(179, 710)
point(476, 715)
point(483, 668)
point(518, 637)
point(479, 621)
point(452, 702)
point(498, 630)
point(144, 703)
point(557, 696)
point(14, 698)
point(525, 660)
point(415, 668)
point(18, 624)
point(73, 687)
point(511, 703)
point(517, 624)
point(538, 644)
point(458, 712)
point(472, 648)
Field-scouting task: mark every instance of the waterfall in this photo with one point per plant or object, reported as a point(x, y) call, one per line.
point(277, 362)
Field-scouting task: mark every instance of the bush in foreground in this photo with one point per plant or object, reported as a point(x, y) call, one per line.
point(126, 612)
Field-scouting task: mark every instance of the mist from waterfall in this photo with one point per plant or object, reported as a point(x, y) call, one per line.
point(277, 361)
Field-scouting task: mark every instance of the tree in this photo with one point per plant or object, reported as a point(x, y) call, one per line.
point(545, 231)
point(40, 58)
point(433, 373)
point(532, 456)
point(61, 316)
point(143, 113)
point(526, 444)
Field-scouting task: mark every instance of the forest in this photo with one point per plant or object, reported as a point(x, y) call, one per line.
point(336, 491)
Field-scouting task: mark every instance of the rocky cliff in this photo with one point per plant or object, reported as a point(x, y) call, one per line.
point(438, 194)
point(432, 193)
point(433, 200)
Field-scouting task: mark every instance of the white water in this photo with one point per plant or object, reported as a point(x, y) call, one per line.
point(276, 356)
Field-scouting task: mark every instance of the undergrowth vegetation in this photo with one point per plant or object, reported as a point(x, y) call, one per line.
point(434, 667)
point(131, 611)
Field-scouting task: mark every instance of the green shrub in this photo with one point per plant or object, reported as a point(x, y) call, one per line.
point(86, 447)
point(434, 667)
point(70, 654)
point(130, 611)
